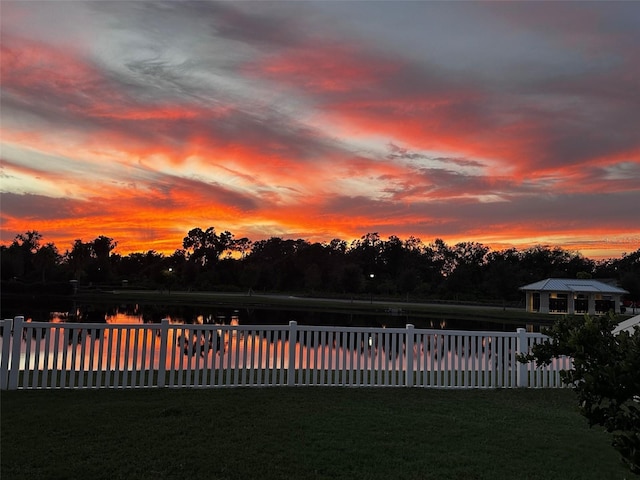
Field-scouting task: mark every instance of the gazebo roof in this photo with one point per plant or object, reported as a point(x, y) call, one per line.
point(573, 285)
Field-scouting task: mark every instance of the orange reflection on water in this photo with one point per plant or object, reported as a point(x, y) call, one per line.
point(124, 318)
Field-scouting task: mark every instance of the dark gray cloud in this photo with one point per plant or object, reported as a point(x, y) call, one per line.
point(431, 116)
point(32, 207)
point(563, 213)
point(104, 101)
point(173, 190)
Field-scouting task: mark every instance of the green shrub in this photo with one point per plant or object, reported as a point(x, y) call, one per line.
point(605, 376)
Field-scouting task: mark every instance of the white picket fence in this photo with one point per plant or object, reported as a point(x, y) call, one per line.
point(85, 355)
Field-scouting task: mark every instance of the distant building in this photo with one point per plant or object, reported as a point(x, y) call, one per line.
point(572, 296)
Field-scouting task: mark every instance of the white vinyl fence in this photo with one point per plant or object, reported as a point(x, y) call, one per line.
point(86, 355)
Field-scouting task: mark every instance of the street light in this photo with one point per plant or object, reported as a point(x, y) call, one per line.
point(168, 278)
point(371, 276)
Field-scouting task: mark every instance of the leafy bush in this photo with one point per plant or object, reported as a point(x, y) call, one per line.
point(605, 376)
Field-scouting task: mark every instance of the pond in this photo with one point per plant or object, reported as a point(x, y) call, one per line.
point(66, 310)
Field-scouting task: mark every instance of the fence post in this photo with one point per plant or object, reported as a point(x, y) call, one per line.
point(409, 343)
point(7, 326)
point(15, 352)
point(162, 362)
point(522, 372)
point(293, 337)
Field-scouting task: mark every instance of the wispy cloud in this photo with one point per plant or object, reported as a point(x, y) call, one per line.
point(509, 124)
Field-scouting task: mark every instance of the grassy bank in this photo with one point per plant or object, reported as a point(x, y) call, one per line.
point(404, 309)
point(301, 433)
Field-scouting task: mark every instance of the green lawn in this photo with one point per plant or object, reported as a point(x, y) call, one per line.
point(301, 433)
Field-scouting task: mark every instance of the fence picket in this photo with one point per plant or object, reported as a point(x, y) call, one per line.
point(46, 355)
point(7, 327)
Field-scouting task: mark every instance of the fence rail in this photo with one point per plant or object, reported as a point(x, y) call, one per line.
point(85, 355)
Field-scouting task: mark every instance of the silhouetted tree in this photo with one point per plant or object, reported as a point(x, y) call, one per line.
point(78, 259)
point(465, 276)
point(367, 253)
point(46, 259)
point(443, 257)
point(24, 247)
point(205, 247)
point(503, 275)
point(466, 270)
point(242, 245)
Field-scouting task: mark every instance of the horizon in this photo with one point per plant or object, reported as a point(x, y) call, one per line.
point(506, 124)
point(119, 250)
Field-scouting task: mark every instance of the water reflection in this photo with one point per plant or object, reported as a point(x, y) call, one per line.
point(136, 313)
point(216, 354)
point(201, 343)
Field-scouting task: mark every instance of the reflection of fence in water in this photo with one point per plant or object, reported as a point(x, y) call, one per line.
point(50, 349)
point(209, 355)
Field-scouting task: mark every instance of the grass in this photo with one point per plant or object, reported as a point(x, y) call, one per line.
point(301, 433)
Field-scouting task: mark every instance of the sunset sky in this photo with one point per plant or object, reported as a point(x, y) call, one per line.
point(508, 123)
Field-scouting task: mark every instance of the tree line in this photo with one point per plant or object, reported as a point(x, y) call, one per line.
point(370, 265)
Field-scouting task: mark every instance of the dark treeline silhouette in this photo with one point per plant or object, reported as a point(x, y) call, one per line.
point(467, 271)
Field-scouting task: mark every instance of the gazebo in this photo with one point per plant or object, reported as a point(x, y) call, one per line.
point(572, 296)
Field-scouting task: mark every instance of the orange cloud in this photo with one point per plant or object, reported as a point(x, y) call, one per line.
point(283, 132)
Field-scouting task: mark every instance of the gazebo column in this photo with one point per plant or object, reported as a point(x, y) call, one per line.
point(571, 303)
point(616, 302)
point(544, 302)
point(592, 304)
